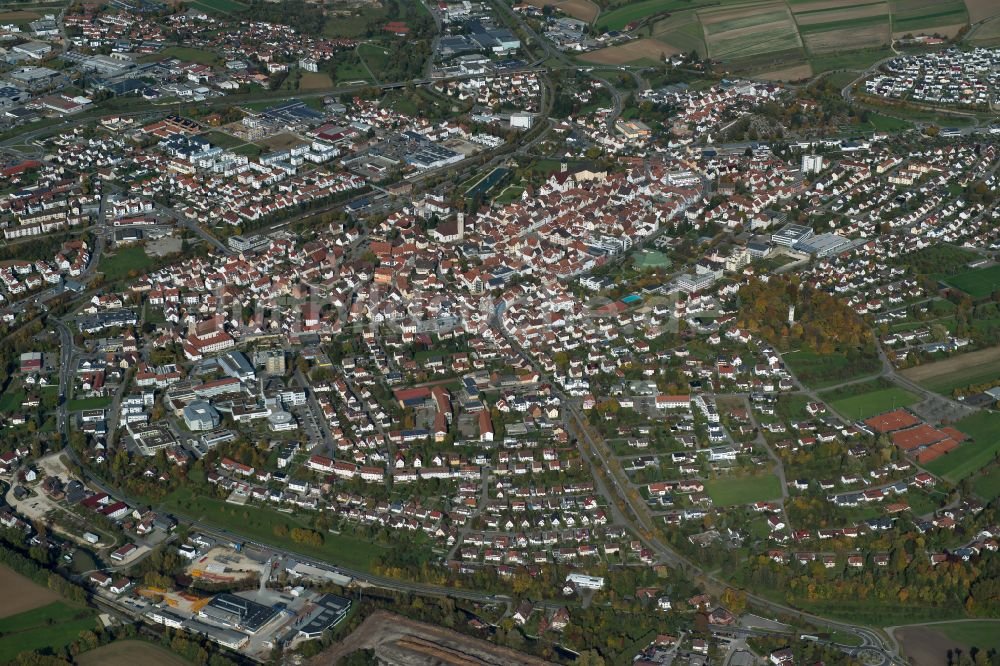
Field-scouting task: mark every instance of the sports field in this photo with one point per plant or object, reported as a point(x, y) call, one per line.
point(129, 653)
point(978, 367)
point(870, 403)
point(650, 259)
point(747, 490)
point(984, 429)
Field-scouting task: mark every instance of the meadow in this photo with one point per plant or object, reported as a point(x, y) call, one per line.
point(80, 404)
point(258, 523)
point(822, 370)
point(123, 263)
point(745, 490)
point(987, 485)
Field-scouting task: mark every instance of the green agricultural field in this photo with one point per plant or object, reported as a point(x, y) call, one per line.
point(842, 36)
point(987, 486)
point(747, 490)
point(794, 5)
point(618, 18)
point(879, 614)
point(52, 626)
point(978, 283)
point(858, 60)
point(945, 384)
point(740, 22)
point(760, 42)
point(984, 428)
point(924, 15)
point(125, 262)
point(859, 22)
point(867, 404)
point(963, 370)
point(683, 31)
point(257, 523)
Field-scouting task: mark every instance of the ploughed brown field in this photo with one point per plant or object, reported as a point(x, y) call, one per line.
point(130, 653)
point(651, 49)
point(925, 646)
point(585, 10)
point(21, 594)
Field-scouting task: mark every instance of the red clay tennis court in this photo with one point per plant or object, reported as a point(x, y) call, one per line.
point(891, 421)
